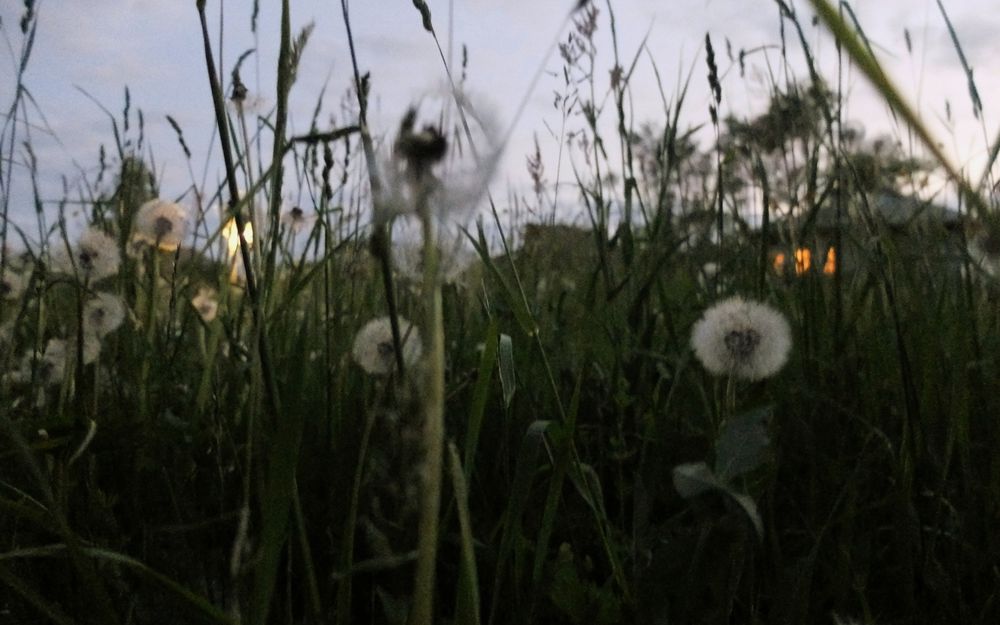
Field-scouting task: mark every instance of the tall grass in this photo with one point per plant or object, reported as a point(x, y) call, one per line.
point(234, 452)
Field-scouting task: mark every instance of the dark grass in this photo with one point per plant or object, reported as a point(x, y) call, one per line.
point(571, 394)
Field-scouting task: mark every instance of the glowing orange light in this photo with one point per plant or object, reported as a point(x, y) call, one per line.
point(830, 267)
point(779, 262)
point(803, 260)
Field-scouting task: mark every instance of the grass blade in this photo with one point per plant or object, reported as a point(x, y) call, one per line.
point(487, 362)
point(467, 596)
point(524, 473)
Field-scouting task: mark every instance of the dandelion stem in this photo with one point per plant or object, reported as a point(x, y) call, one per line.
point(433, 405)
point(144, 396)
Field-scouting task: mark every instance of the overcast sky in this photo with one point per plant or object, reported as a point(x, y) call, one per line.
point(153, 47)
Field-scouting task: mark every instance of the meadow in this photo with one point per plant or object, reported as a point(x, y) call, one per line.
point(375, 404)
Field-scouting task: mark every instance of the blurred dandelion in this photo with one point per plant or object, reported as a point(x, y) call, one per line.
point(160, 224)
point(373, 348)
point(448, 166)
point(709, 275)
point(984, 250)
point(206, 303)
point(6, 339)
point(408, 256)
point(91, 349)
point(95, 256)
point(103, 314)
point(744, 339)
point(57, 358)
point(296, 220)
point(51, 365)
point(17, 261)
point(12, 285)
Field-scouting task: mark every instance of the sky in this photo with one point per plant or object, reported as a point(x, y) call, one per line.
point(153, 48)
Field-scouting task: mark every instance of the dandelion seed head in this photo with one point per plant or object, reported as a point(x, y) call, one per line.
point(746, 339)
point(103, 314)
point(52, 364)
point(160, 224)
point(18, 261)
point(206, 303)
point(373, 347)
point(12, 285)
point(6, 339)
point(984, 250)
point(408, 255)
point(95, 256)
point(296, 219)
point(438, 162)
point(91, 348)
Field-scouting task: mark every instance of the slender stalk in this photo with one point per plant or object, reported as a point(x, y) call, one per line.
point(433, 406)
point(871, 68)
point(234, 198)
point(280, 123)
point(380, 247)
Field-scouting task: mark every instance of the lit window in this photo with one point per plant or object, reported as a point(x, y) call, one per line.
point(229, 233)
point(830, 267)
point(803, 260)
point(779, 262)
point(233, 239)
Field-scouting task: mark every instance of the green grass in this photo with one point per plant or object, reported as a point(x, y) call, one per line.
point(243, 468)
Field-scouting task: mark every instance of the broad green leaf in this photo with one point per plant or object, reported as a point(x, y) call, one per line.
point(695, 478)
point(750, 508)
point(742, 444)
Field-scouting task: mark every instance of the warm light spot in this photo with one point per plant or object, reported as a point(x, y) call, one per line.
point(803, 260)
point(233, 239)
point(779, 262)
point(830, 267)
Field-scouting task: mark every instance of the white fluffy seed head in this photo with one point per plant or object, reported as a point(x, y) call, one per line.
point(103, 314)
point(206, 303)
point(95, 256)
point(984, 250)
point(745, 339)
point(459, 177)
point(161, 224)
point(373, 346)
point(453, 259)
point(12, 285)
